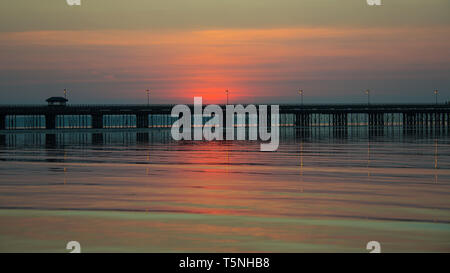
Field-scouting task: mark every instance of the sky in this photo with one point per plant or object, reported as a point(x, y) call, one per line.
point(262, 51)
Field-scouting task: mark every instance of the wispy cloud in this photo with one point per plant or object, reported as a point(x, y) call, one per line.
point(259, 56)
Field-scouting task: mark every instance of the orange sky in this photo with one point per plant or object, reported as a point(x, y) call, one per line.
point(331, 58)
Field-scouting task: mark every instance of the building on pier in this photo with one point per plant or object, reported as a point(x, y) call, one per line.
point(57, 101)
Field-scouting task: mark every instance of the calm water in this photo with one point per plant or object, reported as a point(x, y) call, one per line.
point(324, 190)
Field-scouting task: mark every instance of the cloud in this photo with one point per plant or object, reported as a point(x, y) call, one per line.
point(270, 63)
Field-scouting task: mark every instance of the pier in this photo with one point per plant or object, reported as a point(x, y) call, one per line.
point(53, 117)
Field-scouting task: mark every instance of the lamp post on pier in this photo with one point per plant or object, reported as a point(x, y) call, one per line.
point(301, 96)
point(368, 96)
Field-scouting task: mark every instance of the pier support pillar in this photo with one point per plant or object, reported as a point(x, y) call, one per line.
point(2, 122)
point(407, 121)
point(142, 121)
point(448, 120)
point(50, 121)
point(2, 140)
point(340, 119)
point(97, 121)
point(380, 119)
point(303, 120)
point(97, 139)
point(50, 140)
point(142, 137)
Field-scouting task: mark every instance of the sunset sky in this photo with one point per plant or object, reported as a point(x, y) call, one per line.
point(263, 51)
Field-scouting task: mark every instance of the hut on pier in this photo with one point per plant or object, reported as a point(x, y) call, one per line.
point(57, 101)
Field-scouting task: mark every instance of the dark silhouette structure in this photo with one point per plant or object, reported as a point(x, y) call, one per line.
point(57, 101)
point(407, 115)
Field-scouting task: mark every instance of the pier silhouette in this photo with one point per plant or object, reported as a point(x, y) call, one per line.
point(53, 117)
